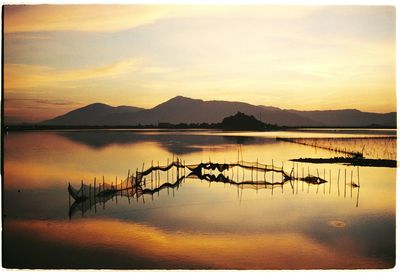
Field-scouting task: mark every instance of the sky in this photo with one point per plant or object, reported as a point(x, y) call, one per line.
point(61, 57)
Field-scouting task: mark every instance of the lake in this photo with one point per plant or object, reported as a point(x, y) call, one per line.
point(200, 224)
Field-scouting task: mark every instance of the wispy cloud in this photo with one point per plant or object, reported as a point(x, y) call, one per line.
point(103, 18)
point(36, 102)
point(22, 107)
point(78, 17)
point(272, 55)
point(20, 76)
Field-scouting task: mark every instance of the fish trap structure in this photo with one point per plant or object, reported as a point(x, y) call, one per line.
point(149, 181)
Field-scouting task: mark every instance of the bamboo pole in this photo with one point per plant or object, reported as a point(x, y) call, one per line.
point(127, 178)
point(351, 184)
point(273, 172)
point(69, 196)
point(345, 183)
point(338, 186)
point(90, 196)
point(158, 171)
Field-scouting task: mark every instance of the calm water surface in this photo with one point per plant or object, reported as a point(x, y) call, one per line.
point(199, 224)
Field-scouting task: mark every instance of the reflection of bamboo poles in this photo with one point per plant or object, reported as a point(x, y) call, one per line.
point(354, 146)
point(305, 141)
point(345, 183)
point(338, 179)
point(136, 186)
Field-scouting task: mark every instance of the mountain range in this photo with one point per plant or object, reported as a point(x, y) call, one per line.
point(186, 110)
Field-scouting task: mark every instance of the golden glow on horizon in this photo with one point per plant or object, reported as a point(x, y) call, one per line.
point(304, 58)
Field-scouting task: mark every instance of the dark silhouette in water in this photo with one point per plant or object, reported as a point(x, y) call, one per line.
point(355, 161)
point(355, 158)
point(89, 196)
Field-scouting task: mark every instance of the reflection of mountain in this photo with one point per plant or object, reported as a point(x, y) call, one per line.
point(173, 142)
point(186, 110)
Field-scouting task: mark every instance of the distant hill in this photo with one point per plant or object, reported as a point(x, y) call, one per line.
point(241, 121)
point(93, 114)
point(348, 117)
point(186, 110)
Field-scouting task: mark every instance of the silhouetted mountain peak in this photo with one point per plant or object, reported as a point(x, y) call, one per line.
point(92, 114)
point(183, 99)
point(178, 101)
point(97, 105)
point(182, 109)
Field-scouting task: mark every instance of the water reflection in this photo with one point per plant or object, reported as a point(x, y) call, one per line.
point(134, 187)
point(174, 142)
point(207, 223)
point(144, 246)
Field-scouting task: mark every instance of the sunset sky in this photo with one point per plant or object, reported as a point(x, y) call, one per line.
point(58, 58)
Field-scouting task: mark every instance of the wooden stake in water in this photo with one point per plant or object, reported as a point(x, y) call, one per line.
point(127, 178)
point(351, 177)
point(158, 171)
point(151, 173)
point(351, 184)
point(237, 169)
point(358, 175)
point(265, 174)
point(338, 186)
point(273, 168)
point(94, 195)
point(69, 196)
point(358, 196)
point(257, 171)
point(345, 183)
point(177, 170)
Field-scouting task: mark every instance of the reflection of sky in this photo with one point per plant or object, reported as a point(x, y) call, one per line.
point(188, 226)
point(159, 248)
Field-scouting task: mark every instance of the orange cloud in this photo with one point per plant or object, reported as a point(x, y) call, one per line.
point(19, 76)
